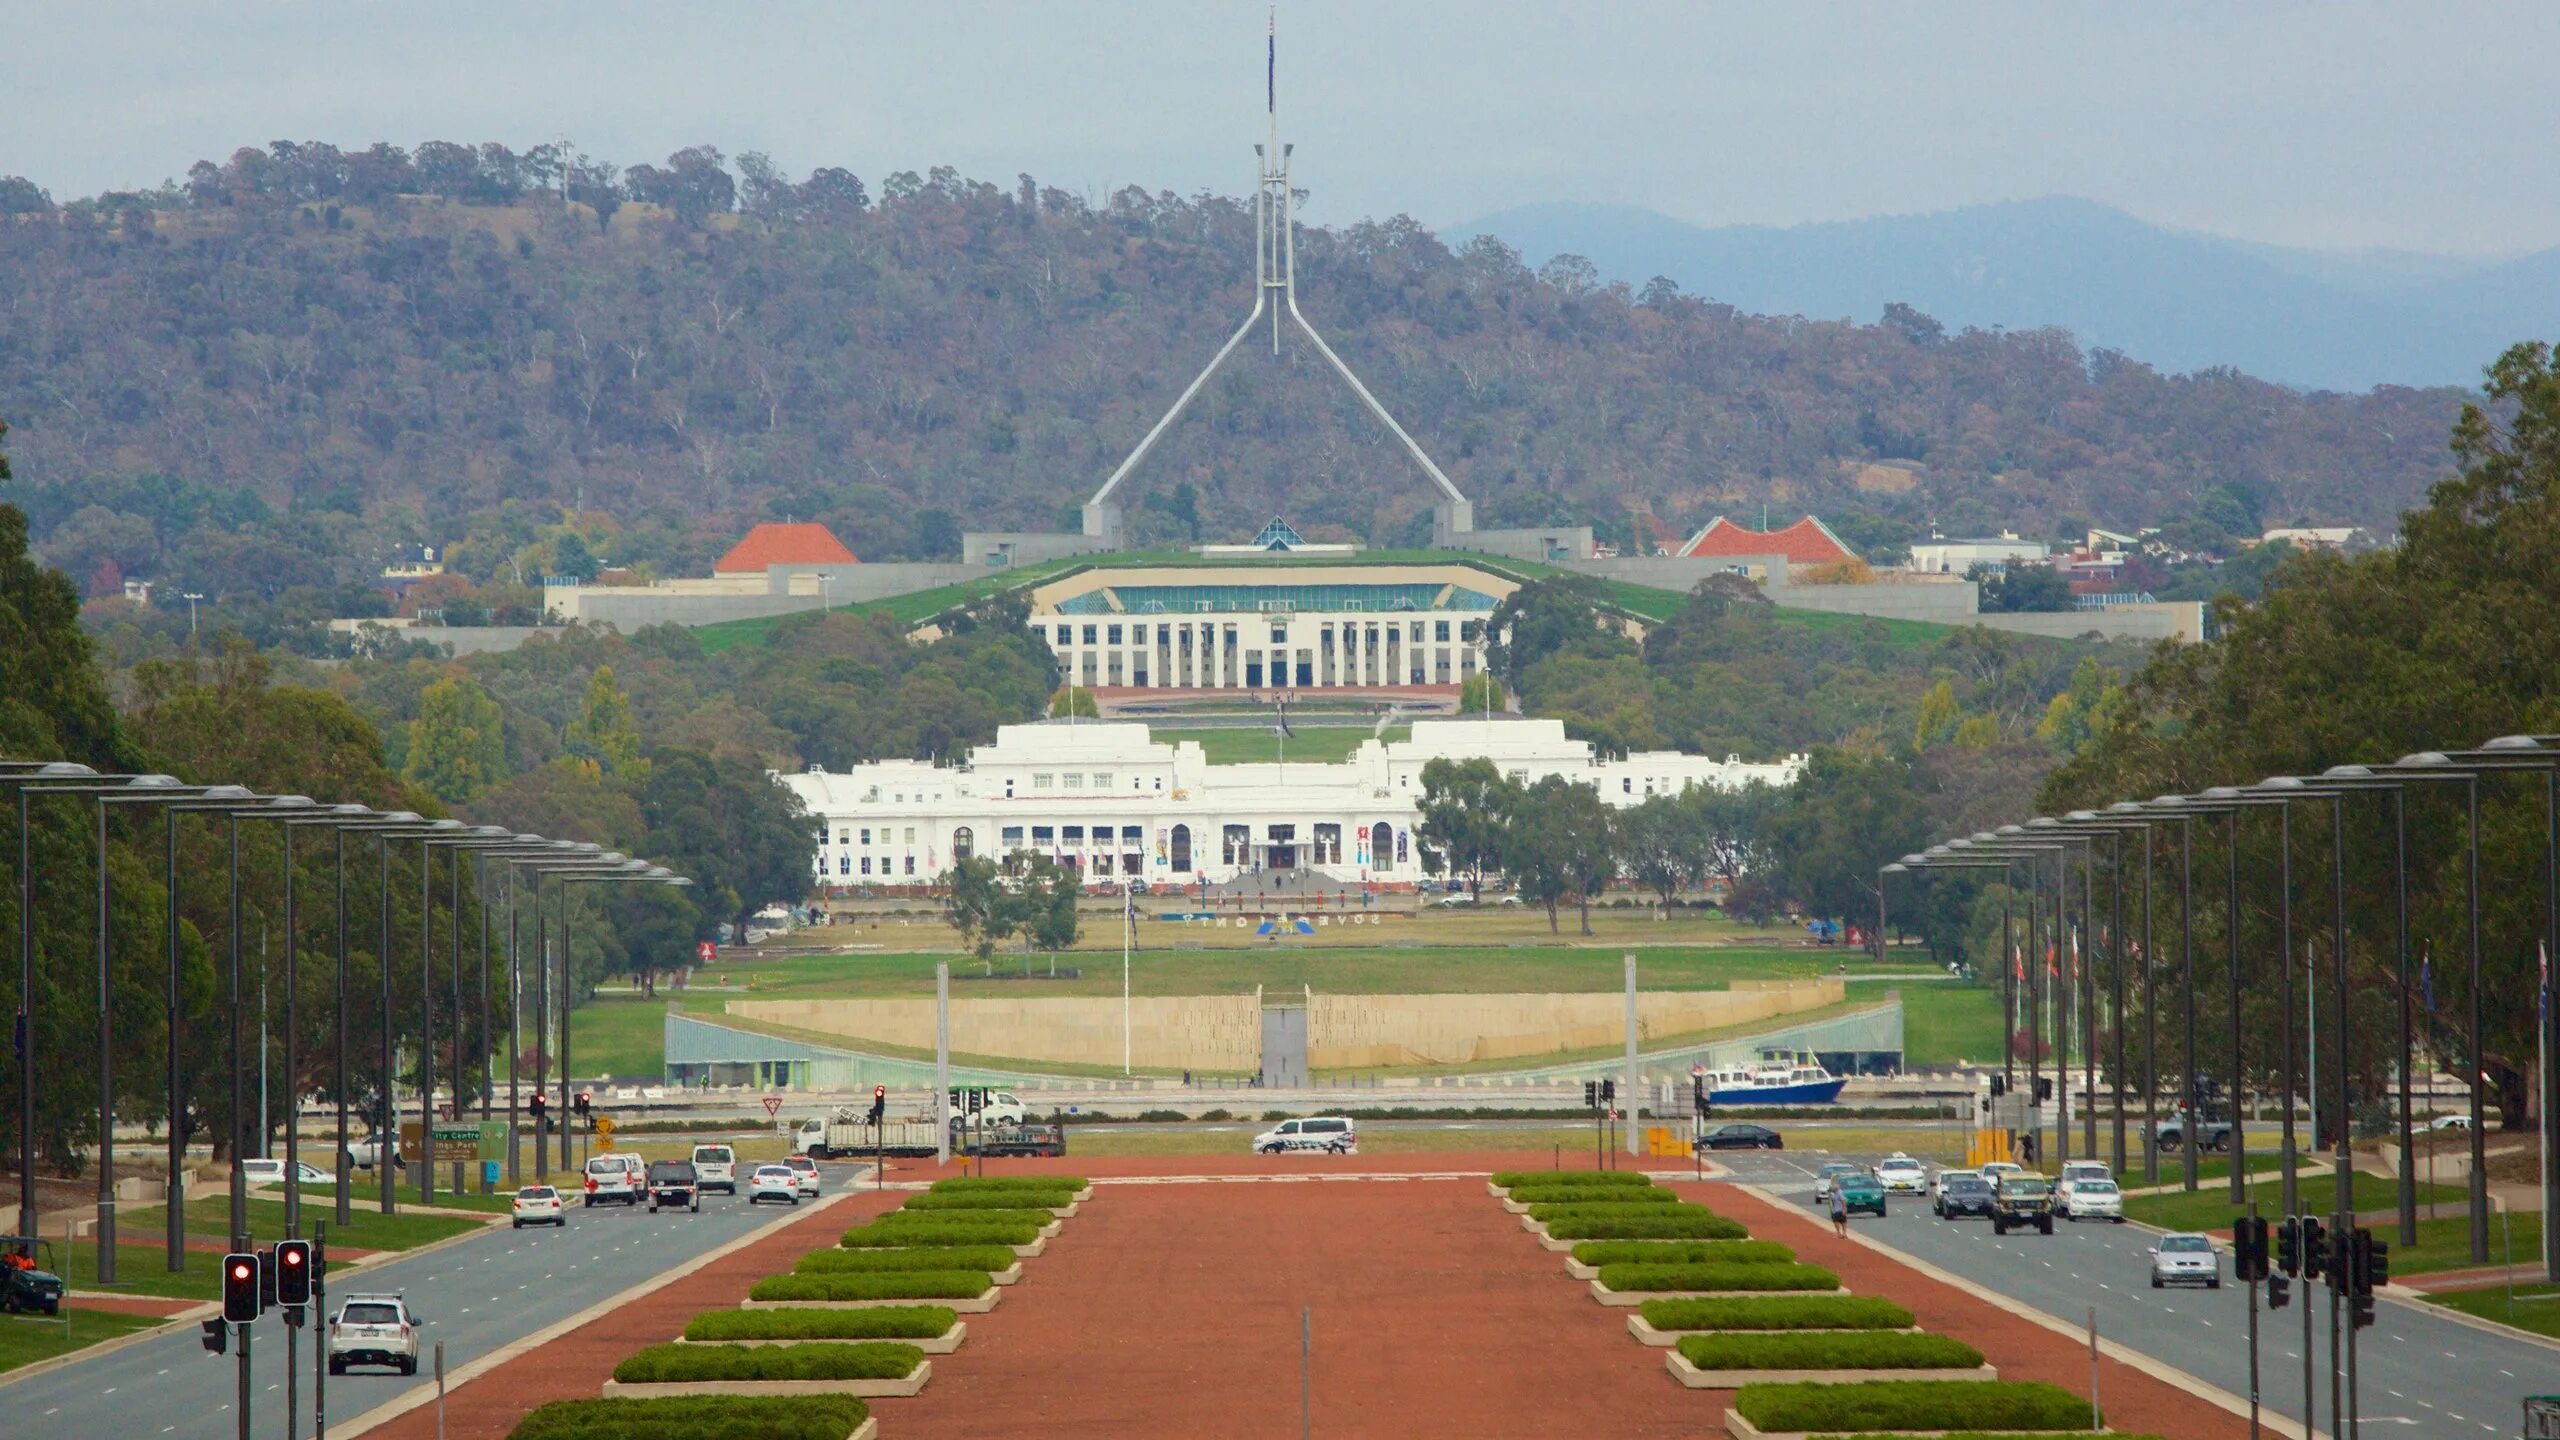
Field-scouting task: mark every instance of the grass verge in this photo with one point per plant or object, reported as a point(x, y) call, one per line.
point(1788, 1276)
point(25, 1340)
point(2527, 1307)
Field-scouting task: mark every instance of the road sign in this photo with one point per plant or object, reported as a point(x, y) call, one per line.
point(493, 1140)
point(454, 1144)
point(772, 1106)
point(706, 952)
point(604, 1131)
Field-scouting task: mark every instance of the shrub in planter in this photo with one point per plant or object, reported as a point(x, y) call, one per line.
point(697, 1417)
point(885, 1285)
point(990, 1200)
point(663, 1364)
point(1879, 1350)
point(1069, 1183)
point(841, 1261)
point(1509, 1179)
point(878, 1322)
point(1777, 1312)
point(1592, 1195)
point(1684, 1222)
point(972, 1231)
point(1012, 1212)
point(2024, 1405)
point(1682, 1252)
point(1624, 1278)
point(1549, 1214)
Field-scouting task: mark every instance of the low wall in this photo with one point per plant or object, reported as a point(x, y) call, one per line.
point(1350, 1032)
point(1938, 602)
point(1168, 1032)
point(2164, 620)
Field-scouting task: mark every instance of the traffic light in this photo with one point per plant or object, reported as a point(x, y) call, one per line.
point(1590, 1094)
point(240, 1287)
point(1608, 1092)
point(2377, 1262)
point(2315, 1253)
point(2369, 1265)
point(879, 1103)
point(217, 1336)
point(2249, 1248)
point(586, 1104)
point(540, 1105)
point(1999, 1086)
point(2044, 1090)
point(2342, 1257)
point(293, 1272)
point(2288, 1247)
point(2279, 1291)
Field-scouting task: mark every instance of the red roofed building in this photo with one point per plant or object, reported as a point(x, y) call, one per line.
point(805, 544)
point(1806, 542)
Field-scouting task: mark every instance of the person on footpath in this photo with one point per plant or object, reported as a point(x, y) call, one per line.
point(1839, 1212)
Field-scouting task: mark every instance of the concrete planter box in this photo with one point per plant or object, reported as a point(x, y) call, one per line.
point(1578, 1270)
point(1009, 1275)
point(1496, 1191)
point(1607, 1296)
point(1740, 1429)
point(942, 1344)
point(976, 1305)
point(1514, 1206)
point(1646, 1334)
point(910, 1384)
point(1552, 1243)
point(1697, 1379)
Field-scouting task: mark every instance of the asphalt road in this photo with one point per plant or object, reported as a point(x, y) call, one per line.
point(2419, 1374)
point(475, 1296)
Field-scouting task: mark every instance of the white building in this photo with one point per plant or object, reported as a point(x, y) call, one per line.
point(1106, 797)
point(1940, 556)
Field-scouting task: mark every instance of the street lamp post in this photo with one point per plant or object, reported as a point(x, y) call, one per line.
point(25, 775)
point(2435, 765)
point(616, 869)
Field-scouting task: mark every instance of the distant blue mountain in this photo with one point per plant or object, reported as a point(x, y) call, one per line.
point(2173, 299)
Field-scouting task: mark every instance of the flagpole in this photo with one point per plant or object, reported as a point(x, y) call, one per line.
point(1128, 921)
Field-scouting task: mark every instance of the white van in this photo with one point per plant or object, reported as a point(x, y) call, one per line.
point(614, 1177)
point(715, 1167)
point(1002, 1107)
point(1332, 1134)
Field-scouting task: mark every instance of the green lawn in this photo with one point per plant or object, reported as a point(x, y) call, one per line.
point(25, 1340)
point(142, 1268)
point(1248, 744)
point(2528, 1307)
point(369, 1229)
point(2210, 1169)
point(625, 1036)
point(2444, 1243)
point(2211, 1208)
point(1944, 1022)
point(324, 1197)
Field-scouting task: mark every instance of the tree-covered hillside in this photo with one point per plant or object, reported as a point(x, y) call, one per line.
point(268, 376)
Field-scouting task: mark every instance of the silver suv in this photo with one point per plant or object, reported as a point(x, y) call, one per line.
point(374, 1330)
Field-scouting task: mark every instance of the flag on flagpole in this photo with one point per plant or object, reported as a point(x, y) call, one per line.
point(2542, 991)
point(2427, 980)
point(2018, 963)
point(2053, 959)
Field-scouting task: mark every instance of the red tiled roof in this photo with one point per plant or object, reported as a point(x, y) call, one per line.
point(805, 544)
point(1806, 542)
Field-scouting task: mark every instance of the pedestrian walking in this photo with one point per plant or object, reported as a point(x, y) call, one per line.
point(1839, 1211)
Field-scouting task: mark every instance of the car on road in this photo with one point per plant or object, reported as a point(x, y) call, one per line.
point(1962, 1192)
point(2023, 1200)
point(2213, 1136)
point(811, 1182)
point(2093, 1200)
point(2075, 1171)
point(1998, 1170)
point(613, 1177)
point(1455, 897)
point(271, 1172)
point(1903, 1175)
point(2186, 1260)
point(539, 1205)
point(1332, 1134)
point(715, 1167)
point(773, 1182)
point(374, 1330)
point(1825, 1176)
point(674, 1185)
point(1861, 1190)
point(361, 1155)
point(1742, 1137)
point(2450, 1122)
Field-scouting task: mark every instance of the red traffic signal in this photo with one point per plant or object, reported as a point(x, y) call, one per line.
point(293, 1272)
point(217, 1336)
point(239, 1288)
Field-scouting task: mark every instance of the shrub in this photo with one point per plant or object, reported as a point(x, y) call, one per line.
point(1777, 1312)
point(1278, 1115)
point(1507, 1179)
point(875, 1322)
point(1718, 1277)
point(1914, 1405)
point(972, 1231)
point(1069, 1183)
point(697, 1417)
point(1683, 1223)
point(1593, 1195)
point(1877, 1350)
point(936, 1257)
point(1221, 1113)
point(659, 1364)
point(1023, 1200)
point(1162, 1116)
point(1601, 1210)
point(1682, 1252)
point(888, 1285)
point(1012, 1212)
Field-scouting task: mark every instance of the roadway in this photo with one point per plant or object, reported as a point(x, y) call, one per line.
point(475, 1295)
point(2419, 1373)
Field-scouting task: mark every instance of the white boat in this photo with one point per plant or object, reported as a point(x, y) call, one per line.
point(1778, 1077)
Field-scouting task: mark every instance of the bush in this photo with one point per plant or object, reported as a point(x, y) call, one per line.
point(1508, 1179)
point(875, 1322)
point(1914, 1405)
point(1011, 1212)
point(1548, 1214)
point(958, 1183)
point(1278, 1115)
point(887, 1285)
point(1878, 1350)
point(1023, 1200)
point(1718, 1277)
point(972, 1231)
point(1592, 1195)
point(1161, 1117)
point(1777, 1312)
point(660, 1364)
point(1221, 1113)
point(1681, 1223)
point(1682, 1252)
point(697, 1417)
point(936, 1257)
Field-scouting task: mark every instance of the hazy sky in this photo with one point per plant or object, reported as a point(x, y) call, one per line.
point(2336, 125)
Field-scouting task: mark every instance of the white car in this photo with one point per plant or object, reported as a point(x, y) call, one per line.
point(374, 1330)
point(773, 1182)
point(2450, 1122)
point(1903, 1175)
point(2076, 1171)
point(614, 1177)
point(811, 1182)
point(2186, 1260)
point(715, 1167)
point(1455, 897)
point(1332, 1134)
point(1000, 1108)
point(271, 1172)
point(2093, 1200)
point(539, 1205)
point(1998, 1170)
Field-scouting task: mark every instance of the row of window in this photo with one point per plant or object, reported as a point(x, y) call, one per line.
point(845, 865)
point(1182, 634)
point(845, 834)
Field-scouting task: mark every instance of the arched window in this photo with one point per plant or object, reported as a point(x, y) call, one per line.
point(1182, 849)
point(1382, 842)
point(963, 844)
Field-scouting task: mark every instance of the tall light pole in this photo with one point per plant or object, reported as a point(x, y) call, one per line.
point(616, 870)
point(2435, 765)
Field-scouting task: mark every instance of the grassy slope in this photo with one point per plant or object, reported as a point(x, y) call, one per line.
point(1248, 744)
point(368, 1229)
point(24, 1341)
point(2531, 1307)
point(2211, 1209)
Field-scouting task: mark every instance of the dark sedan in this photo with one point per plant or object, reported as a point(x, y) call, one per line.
point(1964, 1195)
point(1742, 1137)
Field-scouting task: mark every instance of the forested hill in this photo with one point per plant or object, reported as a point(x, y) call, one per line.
point(267, 375)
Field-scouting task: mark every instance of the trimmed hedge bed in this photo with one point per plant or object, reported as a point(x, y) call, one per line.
point(1507, 1179)
point(1880, 1350)
point(1682, 1223)
point(1549, 1214)
point(1777, 1312)
point(1009, 1213)
point(884, 1322)
point(1534, 1195)
point(2024, 1405)
point(942, 1235)
point(942, 1257)
point(1072, 1184)
point(676, 1364)
point(1624, 1278)
point(1005, 1200)
point(697, 1417)
point(1972, 1435)
point(1682, 1252)
point(892, 1285)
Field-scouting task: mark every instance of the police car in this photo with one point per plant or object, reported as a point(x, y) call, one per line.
point(1331, 1134)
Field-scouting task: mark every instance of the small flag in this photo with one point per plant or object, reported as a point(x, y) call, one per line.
point(2542, 994)
point(2427, 981)
point(2018, 963)
point(2052, 960)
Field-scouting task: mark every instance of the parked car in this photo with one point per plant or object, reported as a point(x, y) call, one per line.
point(1861, 1190)
point(1962, 1192)
point(2450, 1122)
point(271, 1172)
point(2094, 1200)
point(716, 1168)
point(811, 1182)
point(1001, 1107)
point(1903, 1175)
point(2213, 1136)
point(1455, 897)
point(361, 1155)
point(613, 1177)
point(2185, 1260)
point(673, 1184)
point(773, 1182)
point(2023, 1200)
point(1740, 1136)
point(1332, 1134)
point(1824, 1177)
point(539, 1205)
point(374, 1330)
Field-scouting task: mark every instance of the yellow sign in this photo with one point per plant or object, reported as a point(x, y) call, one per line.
point(604, 1131)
